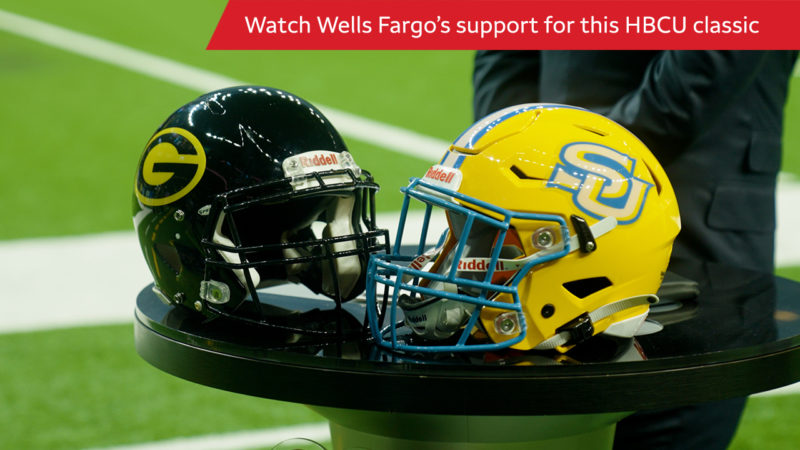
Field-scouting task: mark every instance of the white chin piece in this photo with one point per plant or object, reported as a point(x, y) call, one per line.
point(233, 258)
point(348, 268)
point(626, 328)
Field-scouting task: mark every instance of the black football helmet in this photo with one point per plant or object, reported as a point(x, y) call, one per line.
point(250, 187)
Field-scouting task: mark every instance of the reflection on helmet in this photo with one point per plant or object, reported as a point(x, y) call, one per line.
point(250, 187)
point(560, 225)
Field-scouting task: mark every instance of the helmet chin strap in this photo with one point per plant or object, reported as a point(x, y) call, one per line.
point(627, 328)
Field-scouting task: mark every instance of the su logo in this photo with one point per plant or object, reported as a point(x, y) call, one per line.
point(601, 181)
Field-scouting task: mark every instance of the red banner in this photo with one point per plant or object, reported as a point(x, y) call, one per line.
point(506, 24)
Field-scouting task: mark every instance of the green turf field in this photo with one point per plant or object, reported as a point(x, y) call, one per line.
point(72, 132)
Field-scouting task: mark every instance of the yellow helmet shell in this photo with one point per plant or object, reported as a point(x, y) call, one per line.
point(560, 225)
point(566, 161)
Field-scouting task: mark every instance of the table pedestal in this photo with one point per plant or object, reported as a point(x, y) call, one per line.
point(354, 429)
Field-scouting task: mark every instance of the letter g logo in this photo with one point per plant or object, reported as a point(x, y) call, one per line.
point(601, 181)
point(172, 164)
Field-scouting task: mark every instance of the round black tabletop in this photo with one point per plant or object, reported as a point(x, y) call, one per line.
point(738, 336)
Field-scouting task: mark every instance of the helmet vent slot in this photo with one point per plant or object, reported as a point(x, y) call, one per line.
point(656, 180)
point(587, 286)
point(522, 175)
point(592, 130)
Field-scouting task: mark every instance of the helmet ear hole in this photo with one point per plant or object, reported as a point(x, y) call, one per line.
point(587, 286)
point(169, 254)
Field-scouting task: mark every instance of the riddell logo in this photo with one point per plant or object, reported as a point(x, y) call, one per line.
point(478, 265)
point(417, 318)
point(435, 173)
point(419, 261)
point(319, 160)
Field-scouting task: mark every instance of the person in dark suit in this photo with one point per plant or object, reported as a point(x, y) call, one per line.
point(714, 119)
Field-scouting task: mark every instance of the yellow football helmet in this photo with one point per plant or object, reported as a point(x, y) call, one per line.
point(560, 225)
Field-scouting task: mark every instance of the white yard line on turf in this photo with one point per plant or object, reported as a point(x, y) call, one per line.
point(383, 135)
point(786, 390)
point(267, 438)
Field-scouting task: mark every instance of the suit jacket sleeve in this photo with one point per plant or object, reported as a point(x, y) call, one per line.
point(682, 94)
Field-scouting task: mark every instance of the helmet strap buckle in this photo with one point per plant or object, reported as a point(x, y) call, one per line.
point(580, 329)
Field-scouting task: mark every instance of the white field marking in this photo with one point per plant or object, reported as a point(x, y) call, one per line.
point(266, 438)
point(70, 281)
point(786, 390)
point(373, 132)
point(787, 239)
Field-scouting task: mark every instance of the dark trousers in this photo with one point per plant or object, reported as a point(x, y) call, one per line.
point(707, 426)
